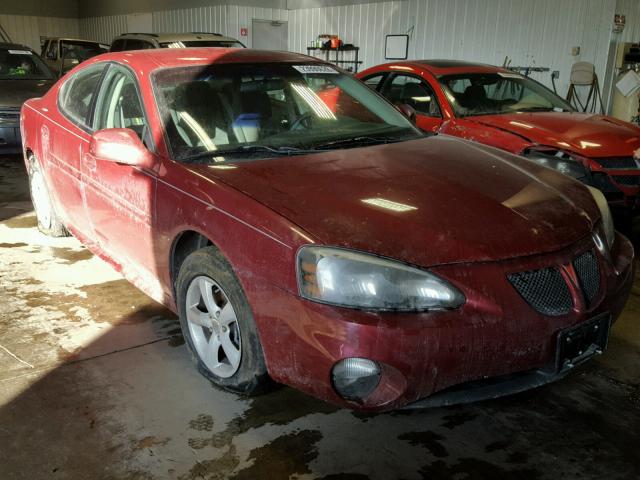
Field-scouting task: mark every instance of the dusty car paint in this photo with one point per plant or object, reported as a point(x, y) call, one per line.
point(472, 230)
point(590, 136)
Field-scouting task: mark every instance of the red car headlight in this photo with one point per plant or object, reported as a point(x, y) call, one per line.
point(353, 279)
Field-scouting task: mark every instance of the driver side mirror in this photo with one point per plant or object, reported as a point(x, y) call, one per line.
point(408, 111)
point(121, 145)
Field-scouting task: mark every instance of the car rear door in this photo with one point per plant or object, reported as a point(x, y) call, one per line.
point(120, 199)
point(64, 139)
point(412, 90)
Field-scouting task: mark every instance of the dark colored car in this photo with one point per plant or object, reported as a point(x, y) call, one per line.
point(504, 109)
point(23, 75)
point(306, 231)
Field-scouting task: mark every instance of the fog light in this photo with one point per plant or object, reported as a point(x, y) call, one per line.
point(355, 378)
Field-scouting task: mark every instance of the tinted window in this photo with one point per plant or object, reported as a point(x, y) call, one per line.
point(373, 81)
point(20, 64)
point(81, 51)
point(52, 50)
point(78, 92)
point(405, 89)
point(119, 45)
point(119, 105)
point(133, 44)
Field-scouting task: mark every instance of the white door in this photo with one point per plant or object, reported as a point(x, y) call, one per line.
point(269, 35)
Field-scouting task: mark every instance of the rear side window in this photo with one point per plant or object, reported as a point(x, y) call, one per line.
point(119, 45)
point(77, 94)
point(373, 81)
point(133, 44)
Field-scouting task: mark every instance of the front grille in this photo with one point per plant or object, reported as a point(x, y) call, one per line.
point(586, 267)
point(627, 180)
point(617, 162)
point(545, 290)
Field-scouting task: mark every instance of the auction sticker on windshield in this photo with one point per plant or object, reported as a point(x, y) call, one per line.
point(315, 69)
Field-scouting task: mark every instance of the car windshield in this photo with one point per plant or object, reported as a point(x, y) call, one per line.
point(203, 43)
point(77, 50)
point(497, 93)
point(230, 112)
point(20, 64)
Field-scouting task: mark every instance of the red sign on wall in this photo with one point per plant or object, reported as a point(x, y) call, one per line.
point(244, 32)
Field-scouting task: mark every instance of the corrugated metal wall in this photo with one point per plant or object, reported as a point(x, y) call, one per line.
point(531, 33)
point(28, 29)
point(103, 29)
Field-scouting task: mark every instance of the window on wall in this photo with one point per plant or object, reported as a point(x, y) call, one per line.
point(405, 89)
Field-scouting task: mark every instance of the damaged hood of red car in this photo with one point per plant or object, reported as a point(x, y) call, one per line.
point(586, 134)
point(432, 201)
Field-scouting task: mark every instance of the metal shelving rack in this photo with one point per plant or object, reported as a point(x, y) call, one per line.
point(338, 59)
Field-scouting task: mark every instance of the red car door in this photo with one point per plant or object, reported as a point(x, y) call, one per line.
point(64, 139)
point(120, 199)
point(411, 90)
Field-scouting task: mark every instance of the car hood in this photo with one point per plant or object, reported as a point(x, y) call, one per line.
point(427, 202)
point(13, 93)
point(586, 134)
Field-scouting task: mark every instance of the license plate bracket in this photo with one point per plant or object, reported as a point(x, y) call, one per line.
point(579, 343)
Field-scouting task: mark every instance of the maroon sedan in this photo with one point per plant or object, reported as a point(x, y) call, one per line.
point(498, 107)
point(306, 232)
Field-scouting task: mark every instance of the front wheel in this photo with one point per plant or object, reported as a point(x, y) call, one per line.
point(218, 325)
point(48, 221)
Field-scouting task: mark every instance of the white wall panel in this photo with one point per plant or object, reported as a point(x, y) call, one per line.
point(28, 29)
point(103, 29)
point(530, 33)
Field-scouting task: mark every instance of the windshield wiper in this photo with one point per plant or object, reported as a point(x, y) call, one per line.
point(538, 109)
point(248, 150)
point(356, 142)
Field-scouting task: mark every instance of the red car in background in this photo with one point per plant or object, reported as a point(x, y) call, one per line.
point(306, 232)
point(498, 107)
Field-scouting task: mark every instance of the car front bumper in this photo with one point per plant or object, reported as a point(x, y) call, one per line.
point(496, 334)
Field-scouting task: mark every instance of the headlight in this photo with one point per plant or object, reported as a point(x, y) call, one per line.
point(352, 279)
point(605, 213)
point(560, 161)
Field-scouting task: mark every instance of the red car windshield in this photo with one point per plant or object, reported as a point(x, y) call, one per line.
point(20, 64)
point(239, 111)
point(496, 93)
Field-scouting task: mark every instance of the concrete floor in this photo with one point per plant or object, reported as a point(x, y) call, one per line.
point(95, 382)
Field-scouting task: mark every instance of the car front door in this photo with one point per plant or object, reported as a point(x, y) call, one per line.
point(415, 92)
point(121, 198)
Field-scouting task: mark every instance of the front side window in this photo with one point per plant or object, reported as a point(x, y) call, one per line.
point(498, 93)
point(119, 106)
point(405, 89)
point(81, 51)
point(236, 111)
point(78, 92)
point(20, 64)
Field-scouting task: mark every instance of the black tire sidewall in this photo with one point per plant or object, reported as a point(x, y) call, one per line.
point(251, 376)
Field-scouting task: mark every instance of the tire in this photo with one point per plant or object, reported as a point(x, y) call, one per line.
point(48, 221)
point(206, 282)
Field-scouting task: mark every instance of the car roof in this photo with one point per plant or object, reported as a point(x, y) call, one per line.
point(71, 39)
point(446, 67)
point(7, 46)
point(146, 61)
point(180, 37)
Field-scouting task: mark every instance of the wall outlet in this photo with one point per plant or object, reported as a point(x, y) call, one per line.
point(555, 74)
point(575, 51)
